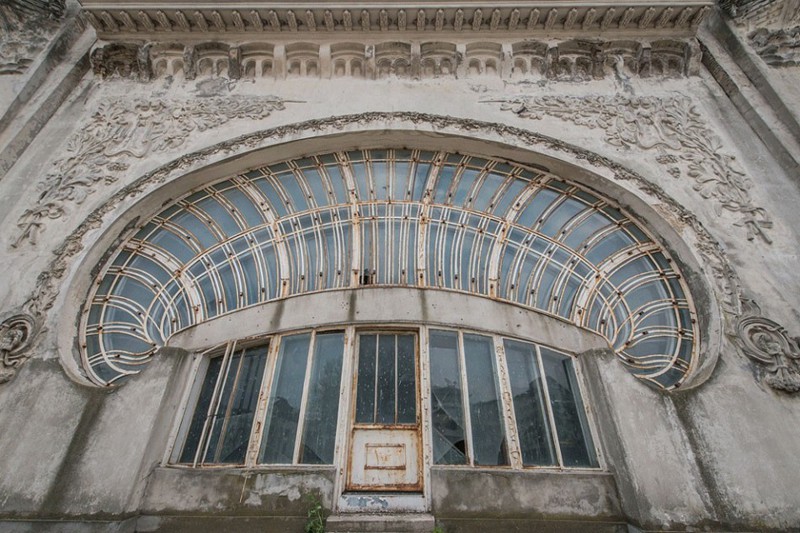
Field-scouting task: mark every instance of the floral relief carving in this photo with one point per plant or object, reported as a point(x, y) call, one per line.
point(120, 132)
point(715, 261)
point(769, 345)
point(16, 336)
point(670, 126)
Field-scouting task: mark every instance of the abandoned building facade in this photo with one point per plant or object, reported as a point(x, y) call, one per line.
point(528, 265)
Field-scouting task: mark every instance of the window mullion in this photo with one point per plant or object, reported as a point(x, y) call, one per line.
point(512, 435)
point(462, 366)
point(227, 418)
point(208, 428)
point(377, 373)
point(183, 419)
point(301, 418)
point(396, 400)
point(548, 403)
point(263, 399)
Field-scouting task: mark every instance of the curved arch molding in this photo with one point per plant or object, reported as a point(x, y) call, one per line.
point(393, 217)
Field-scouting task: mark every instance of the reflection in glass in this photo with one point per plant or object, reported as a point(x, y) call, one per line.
point(365, 396)
point(533, 428)
point(201, 411)
point(386, 392)
point(286, 393)
point(322, 407)
point(574, 437)
point(488, 435)
point(231, 419)
point(447, 411)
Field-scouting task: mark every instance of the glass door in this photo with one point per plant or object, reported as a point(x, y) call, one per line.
point(385, 448)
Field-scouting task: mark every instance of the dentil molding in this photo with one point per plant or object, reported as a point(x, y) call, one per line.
point(125, 18)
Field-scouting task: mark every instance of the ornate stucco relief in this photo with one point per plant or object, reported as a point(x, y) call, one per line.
point(25, 29)
point(769, 346)
point(778, 48)
point(712, 258)
point(120, 132)
point(670, 126)
point(16, 336)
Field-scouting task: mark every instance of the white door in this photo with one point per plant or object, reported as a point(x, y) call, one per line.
point(385, 451)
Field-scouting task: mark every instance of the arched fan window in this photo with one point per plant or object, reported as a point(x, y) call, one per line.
point(392, 217)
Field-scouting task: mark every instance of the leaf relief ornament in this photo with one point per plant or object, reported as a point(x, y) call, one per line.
point(769, 345)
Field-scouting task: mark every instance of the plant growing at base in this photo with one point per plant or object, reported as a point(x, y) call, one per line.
point(316, 516)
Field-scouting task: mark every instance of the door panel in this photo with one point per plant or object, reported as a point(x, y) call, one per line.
point(385, 435)
point(385, 460)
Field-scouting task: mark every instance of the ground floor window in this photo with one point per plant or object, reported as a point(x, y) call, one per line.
point(300, 398)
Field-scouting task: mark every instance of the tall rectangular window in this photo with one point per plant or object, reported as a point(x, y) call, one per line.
point(386, 388)
point(303, 406)
point(574, 437)
point(469, 404)
point(454, 355)
point(447, 408)
point(530, 405)
point(220, 428)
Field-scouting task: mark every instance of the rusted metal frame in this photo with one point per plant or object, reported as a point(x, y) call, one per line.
point(580, 381)
point(229, 408)
point(424, 413)
point(233, 256)
point(523, 198)
point(253, 246)
point(548, 402)
point(507, 404)
point(355, 218)
point(322, 262)
point(279, 241)
point(257, 431)
point(479, 182)
point(189, 396)
point(561, 283)
point(423, 276)
point(462, 367)
point(210, 421)
point(301, 422)
point(346, 406)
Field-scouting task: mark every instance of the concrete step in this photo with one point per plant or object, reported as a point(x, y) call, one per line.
point(380, 523)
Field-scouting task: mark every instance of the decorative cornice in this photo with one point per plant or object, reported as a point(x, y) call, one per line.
point(125, 19)
point(571, 60)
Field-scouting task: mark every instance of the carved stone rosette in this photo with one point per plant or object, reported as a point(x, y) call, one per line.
point(16, 336)
point(769, 345)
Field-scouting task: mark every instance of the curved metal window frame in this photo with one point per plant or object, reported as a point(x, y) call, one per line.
point(370, 217)
point(266, 382)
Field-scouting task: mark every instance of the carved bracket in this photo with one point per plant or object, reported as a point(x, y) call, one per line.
point(671, 126)
point(16, 337)
point(120, 132)
point(768, 344)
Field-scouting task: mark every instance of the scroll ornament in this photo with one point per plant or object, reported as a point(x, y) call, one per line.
point(769, 345)
point(16, 336)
